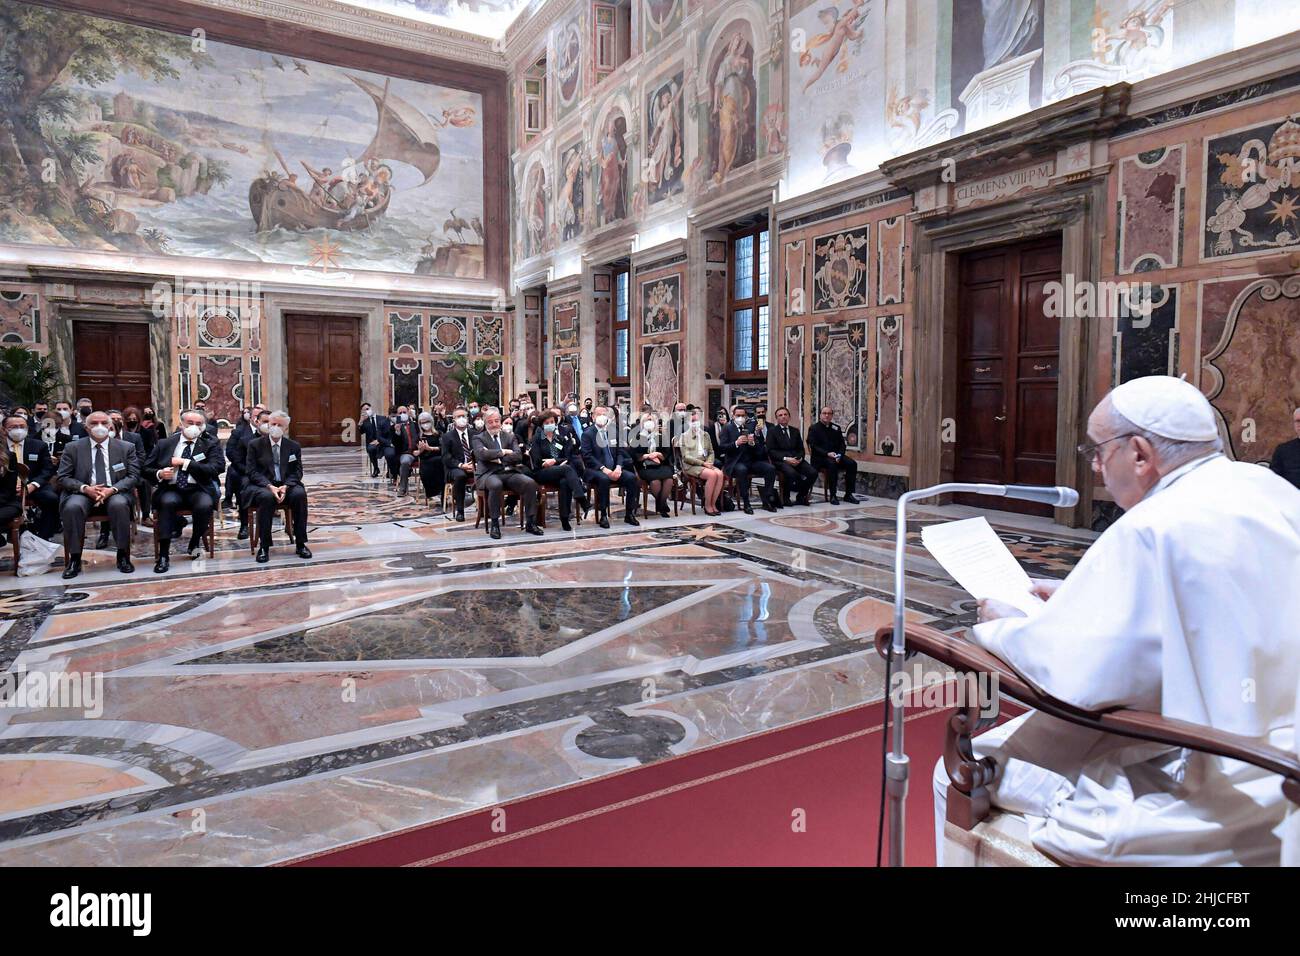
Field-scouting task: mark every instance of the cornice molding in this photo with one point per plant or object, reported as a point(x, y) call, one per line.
point(531, 26)
point(386, 29)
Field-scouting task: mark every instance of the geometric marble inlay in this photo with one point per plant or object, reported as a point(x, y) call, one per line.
point(525, 622)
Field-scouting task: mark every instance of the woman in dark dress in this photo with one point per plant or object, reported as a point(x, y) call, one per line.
point(132, 418)
point(653, 463)
point(10, 497)
point(551, 452)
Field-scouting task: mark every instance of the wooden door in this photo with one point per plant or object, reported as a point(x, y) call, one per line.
point(1007, 370)
point(112, 361)
point(324, 363)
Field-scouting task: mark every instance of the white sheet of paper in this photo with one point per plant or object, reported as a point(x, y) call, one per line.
point(975, 556)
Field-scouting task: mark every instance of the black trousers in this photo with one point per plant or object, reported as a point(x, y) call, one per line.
point(431, 475)
point(390, 458)
point(798, 478)
point(48, 500)
point(564, 478)
point(459, 479)
point(264, 501)
point(521, 485)
point(628, 481)
point(193, 497)
point(234, 482)
point(744, 473)
point(846, 466)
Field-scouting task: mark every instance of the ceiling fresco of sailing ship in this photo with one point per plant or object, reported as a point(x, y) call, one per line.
point(124, 139)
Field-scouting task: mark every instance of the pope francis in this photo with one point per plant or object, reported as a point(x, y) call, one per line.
point(1189, 606)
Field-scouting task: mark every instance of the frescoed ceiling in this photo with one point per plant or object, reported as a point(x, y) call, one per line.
point(487, 18)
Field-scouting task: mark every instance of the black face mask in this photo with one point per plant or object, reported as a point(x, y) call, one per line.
point(84, 410)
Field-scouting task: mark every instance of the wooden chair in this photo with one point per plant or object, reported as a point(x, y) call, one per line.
point(251, 519)
point(16, 526)
point(826, 488)
point(95, 517)
point(645, 499)
point(209, 536)
point(448, 491)
point(544, 493)
point(481, 506)
point(968, 794)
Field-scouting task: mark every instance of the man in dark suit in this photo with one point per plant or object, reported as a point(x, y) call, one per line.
point(786, 452)
point(184, 467)
point(69, 429)
point(406, 436)
point(236, 453)
point(378, 432)
point(35, 454)
point(608, 462)
point(458, 458)
point(274, 464)
point(498, 460)
point(826, 440)
point(1286, 457)
point(744, 454)
point(97, 475)
point(209, 421)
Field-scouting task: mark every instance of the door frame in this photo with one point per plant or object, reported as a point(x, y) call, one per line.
point(1077, 212)
point(63, 352)
point(371, 359)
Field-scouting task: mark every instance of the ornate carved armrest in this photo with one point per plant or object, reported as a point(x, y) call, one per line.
point(968, 798)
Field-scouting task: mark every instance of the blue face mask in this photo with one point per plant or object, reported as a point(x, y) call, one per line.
point(549, 426)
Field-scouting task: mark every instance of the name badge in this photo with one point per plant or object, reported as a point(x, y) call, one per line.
point(33, 457)
point(199, 457)
point(293, 457)
point(119, 467)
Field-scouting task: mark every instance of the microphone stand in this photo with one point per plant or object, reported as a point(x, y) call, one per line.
point(896, 762)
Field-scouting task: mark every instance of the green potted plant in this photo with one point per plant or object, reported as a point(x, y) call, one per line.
point(474, 379)
point(27, 377)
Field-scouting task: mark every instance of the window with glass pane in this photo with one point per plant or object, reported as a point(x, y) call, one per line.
point(750, 323)
point(621, 337)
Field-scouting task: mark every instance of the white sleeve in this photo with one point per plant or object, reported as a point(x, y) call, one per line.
point(1096, 643)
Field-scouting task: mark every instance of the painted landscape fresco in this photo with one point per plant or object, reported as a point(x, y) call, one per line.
point(118, 138)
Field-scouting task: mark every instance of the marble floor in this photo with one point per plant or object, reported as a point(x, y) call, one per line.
point(415, 670)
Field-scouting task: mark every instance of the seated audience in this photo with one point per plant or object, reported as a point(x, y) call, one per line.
point(653, 465)
point(377, 430)
point(499, 464)
point(826, 441)
point(608, 462)
point(186, 468)
point(458, 459)
point(552, 452)
point(698, 462)
point(274, 464)
point(428, 455)
point(35, 454)
point(97, 477)
point(406, 436)
point(785, 449)
point(744, 455)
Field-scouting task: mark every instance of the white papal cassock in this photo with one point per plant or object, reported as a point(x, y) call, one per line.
point(1189, 605)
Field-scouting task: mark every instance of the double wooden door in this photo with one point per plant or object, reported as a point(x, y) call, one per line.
point(112, 361)
point(1008, 367)
point(324, 364)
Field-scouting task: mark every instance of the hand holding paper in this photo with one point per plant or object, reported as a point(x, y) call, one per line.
point(977, 559)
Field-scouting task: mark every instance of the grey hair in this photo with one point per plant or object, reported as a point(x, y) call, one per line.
point(1171, 452)
point(194, 411)
point(281, 413)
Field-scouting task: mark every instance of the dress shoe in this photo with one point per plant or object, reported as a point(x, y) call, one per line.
point(263, 555)
point(162, 564)
point(73, 567)
point(402, 489)
point(631, 519)
point(303, 551)
point(375, 473)
point(564, 525)
point(102, 541)
point(494, 529)
point(835, 501)
point(803, 500)
point(769, 504)
point(850, 499)
point(460, 514)
point(747, 508)
point(786, 503)
point(664, 512)
point(176, 534)
point(124, 562)
point(530, 527)
point(603, 519)
point(243, 532)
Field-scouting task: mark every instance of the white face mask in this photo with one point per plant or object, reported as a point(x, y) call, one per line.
point(602, 420)
point(427, 425)
point(478, 423)
point(264, 428)
point(461, 421)
point(192, 431)
point(18, 434)
point(740, 421)
point(65, 413)
point(276, 432)
point(648, 426)
point(573, 409)
point(403, 417)
point(99, 432)
point(695, 426)
point(365, 413)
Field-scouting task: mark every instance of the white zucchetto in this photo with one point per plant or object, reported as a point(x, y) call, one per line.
point(1166, 406)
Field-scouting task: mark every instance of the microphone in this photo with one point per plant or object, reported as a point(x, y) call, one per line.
point(896, 762)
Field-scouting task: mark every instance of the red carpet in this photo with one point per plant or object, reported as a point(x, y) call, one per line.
point(806, 795)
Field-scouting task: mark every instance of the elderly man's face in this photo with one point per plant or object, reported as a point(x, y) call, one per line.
point(1295, 420)
point(1127, 464)
point(492, 421)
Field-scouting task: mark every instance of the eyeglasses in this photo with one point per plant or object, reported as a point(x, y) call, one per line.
point(1089, 450)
